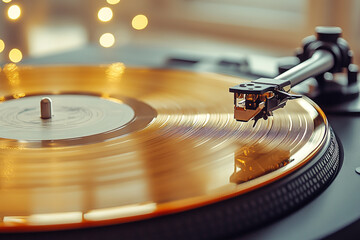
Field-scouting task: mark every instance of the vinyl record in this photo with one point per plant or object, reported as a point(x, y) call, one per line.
point(127, 144)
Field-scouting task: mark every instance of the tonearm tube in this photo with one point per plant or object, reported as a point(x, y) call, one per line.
point(327, 52)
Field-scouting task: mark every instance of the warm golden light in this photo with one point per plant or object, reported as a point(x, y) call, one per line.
point(2, 45)
point(15, 55)
point(107, 40)
point(113, 2)
point(105, 14)
point(6, 1)
point(14, 219)
point(55, 218)
point(115, 71)
point(119, 212)
point(139, 22)
point(12, 73)
point(14, 12)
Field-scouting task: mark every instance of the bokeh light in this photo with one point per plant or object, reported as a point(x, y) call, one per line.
point(113, 2)
point(2, 45)
point(105, 14)
point(139, 22)
point(15, 55)
point(107, 40)
point(6, 1)
point(14, 12)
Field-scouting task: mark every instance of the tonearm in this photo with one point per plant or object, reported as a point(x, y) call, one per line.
point(327, 52)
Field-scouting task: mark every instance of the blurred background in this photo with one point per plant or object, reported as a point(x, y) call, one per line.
point(98, 31)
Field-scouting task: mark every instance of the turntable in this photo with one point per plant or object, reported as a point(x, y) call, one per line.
point(114, 151)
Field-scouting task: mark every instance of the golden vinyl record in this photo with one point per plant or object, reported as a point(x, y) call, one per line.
point(128, 144)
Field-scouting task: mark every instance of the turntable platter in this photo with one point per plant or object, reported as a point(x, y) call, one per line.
point(183, 149)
